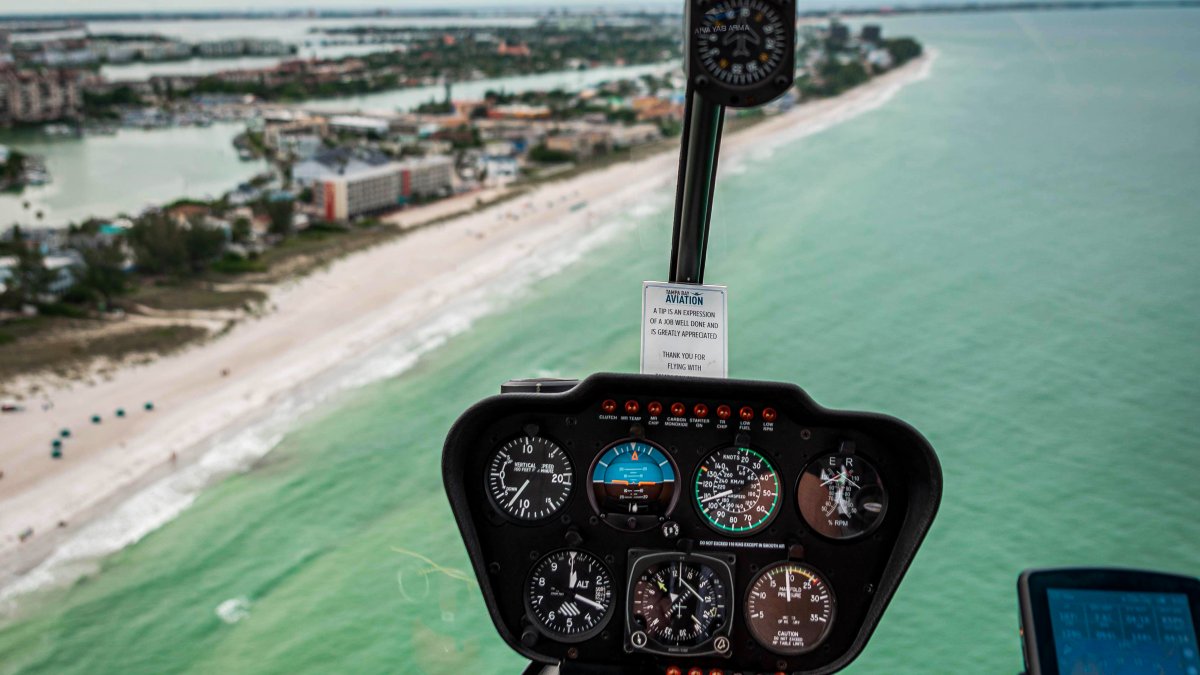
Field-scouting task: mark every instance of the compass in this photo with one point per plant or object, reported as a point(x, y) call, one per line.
point(742, 52)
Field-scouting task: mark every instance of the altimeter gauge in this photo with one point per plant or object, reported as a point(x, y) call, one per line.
point(737, 490)
point(841, 496)
point(529, 478)
point(790, 608)
point(569, 595)
point(745, 49)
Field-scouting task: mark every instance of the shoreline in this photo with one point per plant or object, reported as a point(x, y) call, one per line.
point(362, 319)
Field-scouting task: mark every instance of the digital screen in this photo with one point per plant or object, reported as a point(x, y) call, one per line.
point(1120, 632)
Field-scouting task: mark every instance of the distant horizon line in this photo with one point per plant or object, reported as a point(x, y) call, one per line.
point(657, 7)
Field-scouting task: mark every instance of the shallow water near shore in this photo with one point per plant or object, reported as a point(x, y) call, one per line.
point(1003, 255)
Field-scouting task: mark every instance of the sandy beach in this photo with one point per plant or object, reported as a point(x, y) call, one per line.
point(111, 487)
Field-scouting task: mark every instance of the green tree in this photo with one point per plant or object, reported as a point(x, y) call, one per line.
point(241, 230)
point(162, 246)
point(159, 245)
point(280, 212)
point(903, 50)
point(30, 279)
point(102, 273)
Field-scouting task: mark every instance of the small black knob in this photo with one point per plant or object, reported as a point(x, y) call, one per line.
point(573, 538)
point(529, 637)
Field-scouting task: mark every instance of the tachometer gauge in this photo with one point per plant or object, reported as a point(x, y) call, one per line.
point(633, 478)
point(790, 609)
point(529, 478)
point(737, 490)
point(841, 496)
point(569, 595)
point(679, 604)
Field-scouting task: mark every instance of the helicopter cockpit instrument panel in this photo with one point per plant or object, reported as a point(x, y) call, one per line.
point(660, 524)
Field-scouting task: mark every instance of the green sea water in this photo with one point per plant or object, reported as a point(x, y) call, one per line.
point(1005, 255)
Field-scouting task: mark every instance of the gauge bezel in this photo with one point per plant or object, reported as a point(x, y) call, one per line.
point(590, 633)
point(854, 537)
point(832, 612)
point(641, 560)
point(487, 487)
point(615, 521)
point(780, 482)
point(759, 93)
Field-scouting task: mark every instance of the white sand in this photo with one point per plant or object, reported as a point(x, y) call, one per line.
point(115, 473)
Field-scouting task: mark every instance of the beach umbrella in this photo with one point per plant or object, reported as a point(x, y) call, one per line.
point(149, 405)
point(95, 419)
point(56, 444)
point(120, 412)
point(56, 454)
point(65, 433)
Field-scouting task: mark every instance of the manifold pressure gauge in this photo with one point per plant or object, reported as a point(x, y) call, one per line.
point(741, 53)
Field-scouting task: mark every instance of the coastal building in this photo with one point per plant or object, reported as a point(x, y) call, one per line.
point(335, 162)
point(581, 143)
point(427, 176)
point(39, 95)
point(635, 134)
point(373, 189)
point(359, 125)
point(360, 192)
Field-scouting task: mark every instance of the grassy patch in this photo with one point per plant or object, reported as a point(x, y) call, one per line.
point(62, 346)
point(185, 296)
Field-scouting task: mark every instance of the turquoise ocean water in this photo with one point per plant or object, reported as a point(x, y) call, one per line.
point(1004, 255)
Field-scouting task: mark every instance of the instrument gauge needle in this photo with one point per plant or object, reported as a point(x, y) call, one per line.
point(523, 486)
point(716, 496)
point(589, 601)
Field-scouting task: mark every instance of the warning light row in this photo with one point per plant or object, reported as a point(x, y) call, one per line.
point(655, 408)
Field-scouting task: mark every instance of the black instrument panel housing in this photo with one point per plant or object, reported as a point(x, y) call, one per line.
point(863, 573)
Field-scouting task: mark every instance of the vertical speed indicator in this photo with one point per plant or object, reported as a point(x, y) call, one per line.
point(529, 478)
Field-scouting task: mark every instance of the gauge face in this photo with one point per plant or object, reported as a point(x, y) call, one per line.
point(790, 609)
point(741, 42)
point(570, 595)
point(529, 478)
point(841, 496)
point(737, 490)
point(679, 603)
point(633, 477)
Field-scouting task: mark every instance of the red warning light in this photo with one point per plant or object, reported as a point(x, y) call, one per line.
point(631, 407)
point(609, 406)
point(655, 408)
point(746, 413)
point(769, 414)
point(678, 409)
point(674, 670)
point(700, 410)
point(724, 411)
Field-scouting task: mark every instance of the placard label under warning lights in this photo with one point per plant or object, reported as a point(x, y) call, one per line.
point(684, 330)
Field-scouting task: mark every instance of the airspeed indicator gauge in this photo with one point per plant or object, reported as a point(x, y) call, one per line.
point(743, 49)
point(737, 490)
point(529, 479)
